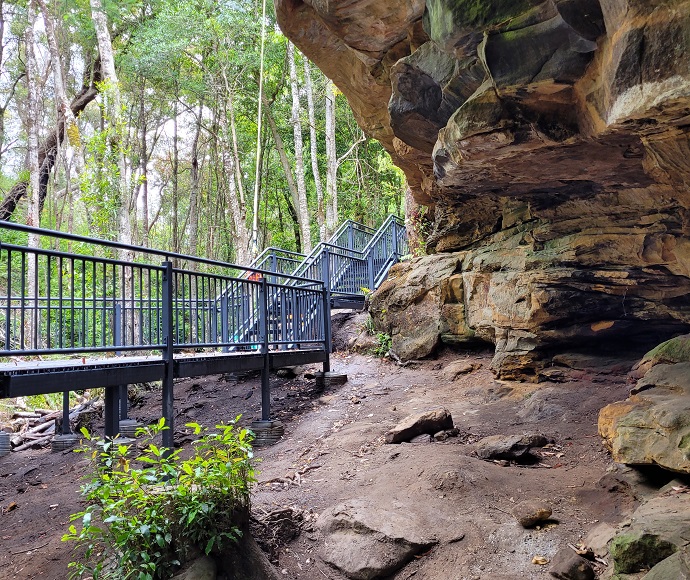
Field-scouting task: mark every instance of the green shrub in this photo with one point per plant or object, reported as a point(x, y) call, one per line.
point(140, 522)
point(383, 344)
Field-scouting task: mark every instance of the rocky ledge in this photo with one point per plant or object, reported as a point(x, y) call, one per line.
point(550, 142)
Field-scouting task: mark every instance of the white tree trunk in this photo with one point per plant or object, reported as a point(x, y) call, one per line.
point(71, 129)
point(33, 82)
point(320, 210)
point(238, 211)
point(303, 208)
point(331, 163)
point(105, 49)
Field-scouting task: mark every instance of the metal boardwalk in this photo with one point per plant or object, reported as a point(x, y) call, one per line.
point(152, 315)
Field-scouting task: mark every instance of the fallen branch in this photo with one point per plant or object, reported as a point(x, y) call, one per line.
point(41, 441)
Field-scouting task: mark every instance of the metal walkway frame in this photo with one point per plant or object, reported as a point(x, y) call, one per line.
point(152, 315)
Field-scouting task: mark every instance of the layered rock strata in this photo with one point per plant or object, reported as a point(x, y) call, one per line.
point(550, 140)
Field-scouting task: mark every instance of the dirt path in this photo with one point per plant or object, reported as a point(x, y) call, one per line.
point(333, 451)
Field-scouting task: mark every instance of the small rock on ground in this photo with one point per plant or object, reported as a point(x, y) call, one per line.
point(509, 446)
point(457, 368)
point(530, 512)
point(567, 565)
point(428, 422)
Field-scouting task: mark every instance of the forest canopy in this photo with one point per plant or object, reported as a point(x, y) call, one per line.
point(138, 121)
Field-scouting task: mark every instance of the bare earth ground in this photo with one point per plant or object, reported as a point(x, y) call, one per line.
point(333, 451)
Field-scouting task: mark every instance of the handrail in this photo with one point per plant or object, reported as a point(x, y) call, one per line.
point(132, 248)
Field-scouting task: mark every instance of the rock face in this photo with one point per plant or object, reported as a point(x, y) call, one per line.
point(653, 425)
point(550, 140)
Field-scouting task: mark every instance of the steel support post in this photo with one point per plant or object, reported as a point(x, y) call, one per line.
point(326, 271)
point(112, 412)
point(263, 337)
point(66, 430)
point(168, 352)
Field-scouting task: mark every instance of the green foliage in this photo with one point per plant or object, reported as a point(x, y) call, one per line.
point(421, 225)
point(140, 522)
point(384, 343)
point(369, 326)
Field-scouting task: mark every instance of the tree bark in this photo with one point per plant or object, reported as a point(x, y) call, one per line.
point(331, 163)
point(302, 206)
point(31, 122)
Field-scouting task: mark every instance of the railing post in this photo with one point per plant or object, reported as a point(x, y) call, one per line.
point(395, 238)
point(350, 237)
point(326, 267)
point(263, 338)
point(274, 266)
point(328, 339)
point(168, 359)
point(224, 326)
point(326, 272)
point(370, 269)
point(122, 389)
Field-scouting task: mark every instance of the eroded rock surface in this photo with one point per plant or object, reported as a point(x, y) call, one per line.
point(653, 425)
point(550, 140)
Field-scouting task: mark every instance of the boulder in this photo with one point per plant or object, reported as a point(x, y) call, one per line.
point(674, 350)
point(637, 551)
point(509, 447)
point(530, 512)
point(428, 422)
point(657, 530)
point(653, 425)
point(367, 541)
point(567, 565)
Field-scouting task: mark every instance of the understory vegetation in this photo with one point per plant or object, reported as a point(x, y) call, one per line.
point(146, 515)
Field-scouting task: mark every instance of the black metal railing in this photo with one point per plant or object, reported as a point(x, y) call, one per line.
point(56, 302)
point(71, 296)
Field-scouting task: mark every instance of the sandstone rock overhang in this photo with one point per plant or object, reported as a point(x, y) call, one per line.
point(550, 140)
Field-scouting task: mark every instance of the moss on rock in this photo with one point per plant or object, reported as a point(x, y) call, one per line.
point(634, 552)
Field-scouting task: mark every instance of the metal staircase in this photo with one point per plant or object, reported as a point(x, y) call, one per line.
point(351, 264)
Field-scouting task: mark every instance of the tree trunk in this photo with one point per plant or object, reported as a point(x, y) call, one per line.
point(238, 212)
point(302, 206)
point(194, 186)
point(285, 162)
point(320, 210)
point(105, 48)
point(331, 163)
point(33, 218)
point(47, 152)
point(143, 164)
point(59, 79)
point(175, 180)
